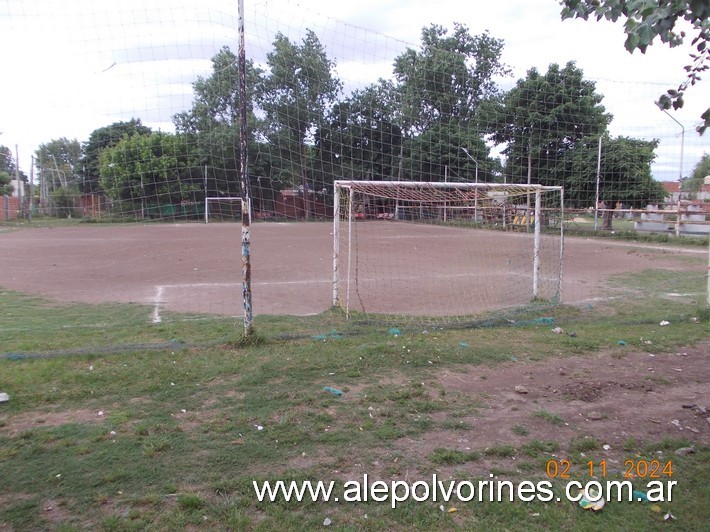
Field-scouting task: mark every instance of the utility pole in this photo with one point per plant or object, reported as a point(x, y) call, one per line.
point(19, 184)
point(680, 171)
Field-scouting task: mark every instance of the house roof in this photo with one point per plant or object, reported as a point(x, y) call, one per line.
point(671, 187)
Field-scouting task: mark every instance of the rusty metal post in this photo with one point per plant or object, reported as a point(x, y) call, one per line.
point(244, 172)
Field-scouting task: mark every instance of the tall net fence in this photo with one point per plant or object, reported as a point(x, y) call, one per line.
point(134, 117)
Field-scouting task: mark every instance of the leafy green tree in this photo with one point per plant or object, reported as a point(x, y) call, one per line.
point(295, 95)
point(6, 187)
point(693, 183)
point(360, 139)
point(449, 76)
point(101, 138)
point(624, 177)
point(150, 169)
point(442, 88)
point(212, 124)
point(543, 118)
point(647, 19)
point(8, 166)
point(59, 162)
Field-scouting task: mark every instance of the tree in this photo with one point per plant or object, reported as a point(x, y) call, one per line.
point(693, 183)
point(59, 162)
point(442, 87)
point(360, 139)
point(101, 138)
point(150, 169)
point(648, 19)
point(624, 174)
point(9, 168)
point(449, 76)
point(543, 118)
point(295, 95)
point(6, 187)
point(212, 124)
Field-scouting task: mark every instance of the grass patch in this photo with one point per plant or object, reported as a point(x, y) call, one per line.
point(452, 457)
point(553, 419)
point(190, 420)
point(520, 429)
point(584, 444)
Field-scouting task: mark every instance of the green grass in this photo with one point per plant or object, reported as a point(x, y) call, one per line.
point(178, 443)
point(553, 419)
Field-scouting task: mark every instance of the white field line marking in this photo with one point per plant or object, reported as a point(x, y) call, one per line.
point(157, 304)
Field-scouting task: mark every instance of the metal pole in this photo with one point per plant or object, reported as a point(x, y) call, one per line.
point(475, 198)
point(19, 183)
point(246, 217)
point(596, 201)
point(562, 244)
point(207, 215)
point(446, 180)
point(336, 243)
point(32, 187)
point(351, 199)
point(536, 245)
point(680, 171)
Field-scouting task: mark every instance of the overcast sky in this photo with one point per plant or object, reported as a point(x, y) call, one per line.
point(72, 66)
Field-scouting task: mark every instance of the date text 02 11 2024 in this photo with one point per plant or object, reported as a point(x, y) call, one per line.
point(642, 469)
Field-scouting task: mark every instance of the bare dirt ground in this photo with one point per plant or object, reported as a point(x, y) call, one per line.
point(413, 269)
point(613, 397)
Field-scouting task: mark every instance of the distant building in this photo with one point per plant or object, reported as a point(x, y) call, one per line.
point(672, 189)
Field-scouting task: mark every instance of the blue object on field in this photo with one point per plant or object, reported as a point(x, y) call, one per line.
point(621, 343)
point(394, 331)
point(333, 391)
point(463, 344)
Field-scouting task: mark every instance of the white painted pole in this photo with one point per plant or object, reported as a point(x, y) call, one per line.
point(596, 200)
point(336, 243)
point(351, 197)
point(536, 245)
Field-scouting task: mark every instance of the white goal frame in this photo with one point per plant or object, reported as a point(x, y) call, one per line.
point(351, 187)
point(222, 198)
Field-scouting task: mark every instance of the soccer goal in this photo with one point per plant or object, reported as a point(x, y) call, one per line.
point(223, 209)
point(445, 251)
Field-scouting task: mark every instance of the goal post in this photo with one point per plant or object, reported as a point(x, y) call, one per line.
point(223, 208)
point(453, 249)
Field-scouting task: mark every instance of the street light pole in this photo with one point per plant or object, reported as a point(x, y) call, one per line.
point(475, 200)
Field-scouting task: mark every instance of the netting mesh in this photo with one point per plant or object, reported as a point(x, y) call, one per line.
point(439, 253)
point(142, 125)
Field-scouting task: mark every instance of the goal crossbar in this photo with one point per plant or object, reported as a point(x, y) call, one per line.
point(454, 195)
point(209, 199)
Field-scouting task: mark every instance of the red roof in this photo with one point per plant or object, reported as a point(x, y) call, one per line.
point(671, 187)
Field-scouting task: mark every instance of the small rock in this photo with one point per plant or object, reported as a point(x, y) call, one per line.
point(521, 389)
point(677, 424)
point(683, 451)
point(327, 522)
point(606, 447)
point(595, 416)
point(573, 335)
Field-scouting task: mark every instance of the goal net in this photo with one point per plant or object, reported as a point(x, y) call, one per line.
point(445, 252)
point(223, 209)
